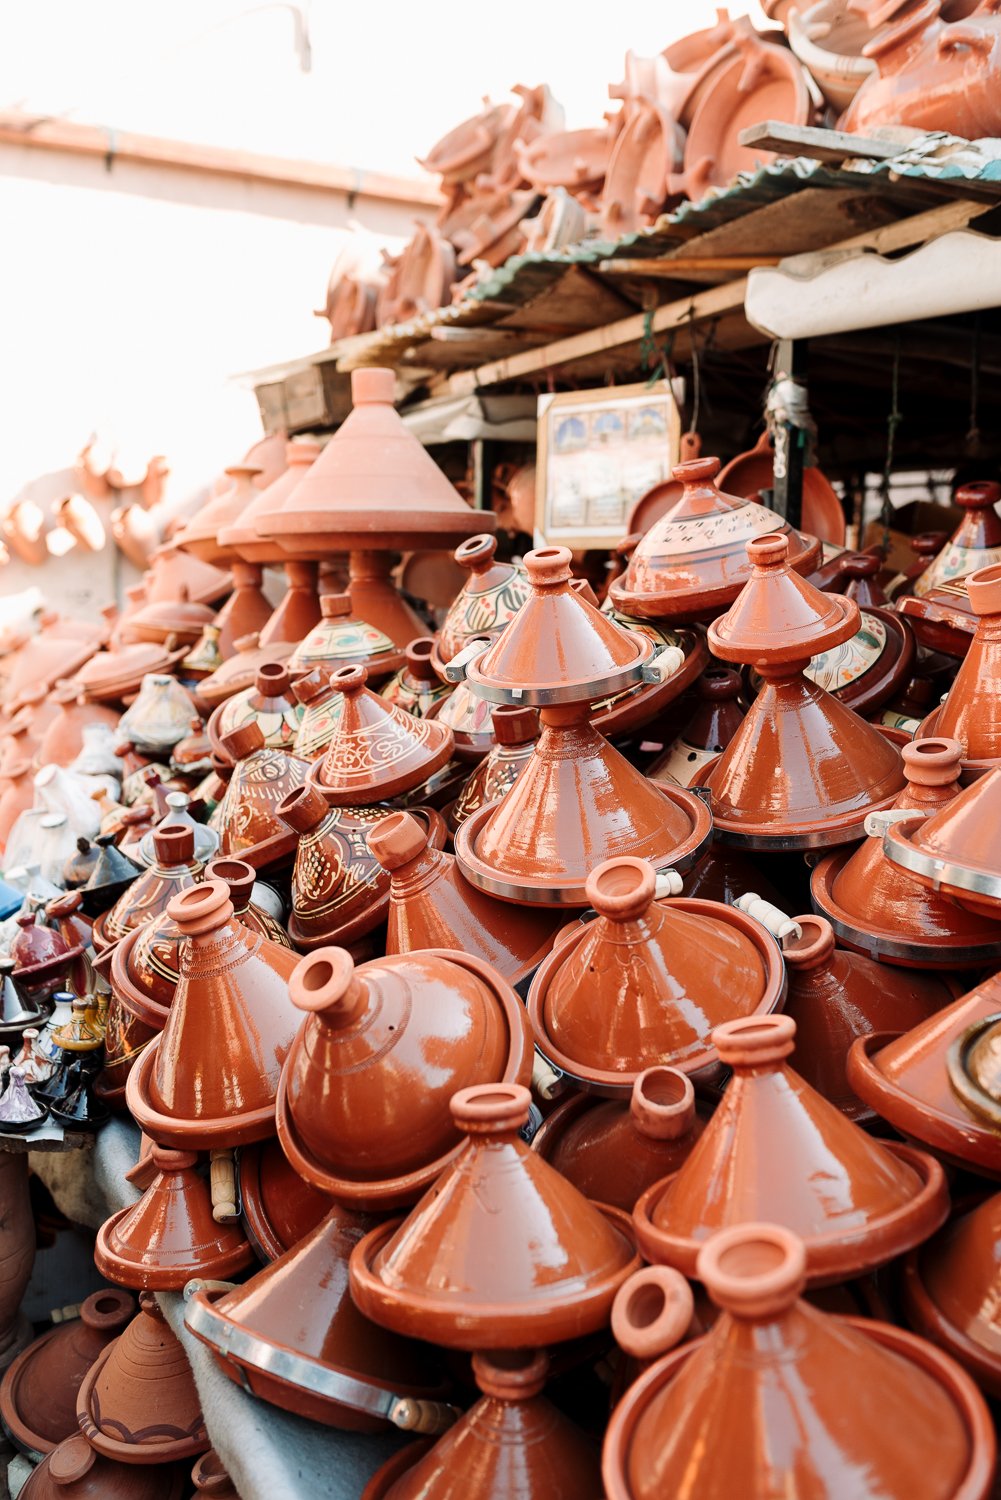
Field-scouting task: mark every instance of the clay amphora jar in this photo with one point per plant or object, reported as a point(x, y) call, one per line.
point(169, 1236)
point(270, 704)
point(416, 687)
point(279, 1208)
point(17, 796)
point(363, 1109)
point(210, 1078)
point(376, 751)
point(321, 713)
point(692, 562)
point(950, 1290)
point(715, 719)
point(138, 1401)
point(175, 868)
point(612, 1150)
point(954, 850)
point(209, 1477)
point(838, 768)
point(200, 536)
point(76, 1471)
point(294, 1335)
point(971, 712)
point(248, 813)
point(879, 909)
point(39, 1390)
point(855, 1202)
point(341, 639)
point(648, 981)
point(782, 1398)
point(63, 739)
point(431, 906)
point(516, 731)
point(491, 596)
point(512, 1443)
point(835, 997)
point(460, 1269)
point(242, 537)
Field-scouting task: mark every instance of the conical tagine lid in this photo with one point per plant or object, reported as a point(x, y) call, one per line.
point(558, 648)
point(971, 712)
point(241, 535)
point(957, 849)
point(211, 1077)
point(783, 1399)
point(171, 571)
point(649, 981)
point(489, 599)
point(341, 640)
point(502, 1252)
point(377, 750)
point(169, 1236)
point(951, 1291)
point(174, 869)
point(854, 1201)
point(373, 487)
point(779, 617)
point(201, 536)
point(692, 561)
point(875, 906)
point(975, 543)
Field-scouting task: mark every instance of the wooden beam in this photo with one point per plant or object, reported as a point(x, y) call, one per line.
point(810, 140)
point(666, 269)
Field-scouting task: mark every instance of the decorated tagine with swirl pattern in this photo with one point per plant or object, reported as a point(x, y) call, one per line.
point(491, 596)
point(248, 814)
point(174, 868)
point(270, 704)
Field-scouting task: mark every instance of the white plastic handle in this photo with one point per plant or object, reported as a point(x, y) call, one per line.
point(664, 665)
point(669, 883)
point(455, 670)
point(779, 925)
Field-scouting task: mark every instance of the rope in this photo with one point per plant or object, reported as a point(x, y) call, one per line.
point(893, 420)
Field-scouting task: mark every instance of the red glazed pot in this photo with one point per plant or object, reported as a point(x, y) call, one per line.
point(950, 1291)
point(75, 1471)
point(855, 1202)
point(971, 712)
point(716, 717)
point(955, 850)
point(175, 869)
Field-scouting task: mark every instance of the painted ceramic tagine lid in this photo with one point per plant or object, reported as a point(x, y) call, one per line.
point(780, 1397)
point(377, 751)
point(906, 1080)
point(138, 1402)
point(956, 850)
point(880, 909)
point(976, 542)
point(950, 1291)
point(241, 534)
point(692, 562)
point(211, 1076)
point(836, 767)
point(855, 1202)
point(648, 981)
point(174, 869)
point(363, 1110)
point(247, 816)
point(373, 487)
point(269, 702)
point(341, 640)
point(865, 671)
point(971, 712)
point(461, 1270)
point(489, 599)
point(170, 1234)
point(294, 1336)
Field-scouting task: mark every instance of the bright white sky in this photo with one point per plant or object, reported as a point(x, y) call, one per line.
point(388, 76)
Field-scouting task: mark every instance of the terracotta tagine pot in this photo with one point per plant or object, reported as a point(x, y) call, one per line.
point(649, 149)
point(489, 599)
point(401, 1033)
point(209, 1080)
point(165, 619)
point(248, 814)
point(954, 850)
point(376, 751)
point(321, 713)
point(242, 536)
point(865, 671)
point(294, 1336)
point(42, 959)
point(416, 687)
point(39, 1390)
point(649, 981)
point(717, 715)
point(174, 869)
point(843, 768)
point(279, 1208)
point(511, 1442)
point(855, 1202)
point(17, 796)
point(976, 542)
point(76, 1471)
point(111, 676)
point(239, 673)
point(432, 906)
point(200, 536)
point(516, 731)
point(950, 1290)
point(63, 740)
point(693, 562)
point(972, 1068)
point(879, 909)
point(835, 996)
point(270, 703)
point(779, 1396)
point(341, 639)
point(577, 800)
point(971, 712)
point(612, 1150)
point(485, 1283)
point(138, 1401)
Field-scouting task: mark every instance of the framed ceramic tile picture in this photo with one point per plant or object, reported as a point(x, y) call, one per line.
point(599, 451)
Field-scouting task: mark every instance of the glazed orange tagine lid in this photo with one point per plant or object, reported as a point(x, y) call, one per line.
point(802, 770)
point(855, 1202)
point(376, 751)
point(950, 1291)
point(971, 712)
point(783, 1399)
point(956, 850)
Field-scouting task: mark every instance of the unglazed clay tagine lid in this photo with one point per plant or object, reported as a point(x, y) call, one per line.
point(238, 674)
point(341, 640)
point(201, 536)
point(110, 676)
point(558, 648)
point(399, 1035)
point(950, 1291)
point(376, 751)
point(373, 487)
point(855, 1202)
point(76, 1471)
point(781, 1397)
point(692, 562)
point(648, 981)
point(956, 850)
point(971, 712)
point(876, 907)
point(489, 599)
point(172, 570)
point(460, 1269)
point(241, 535)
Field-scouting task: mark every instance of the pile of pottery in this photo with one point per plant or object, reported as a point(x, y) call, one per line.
point(450, 966)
